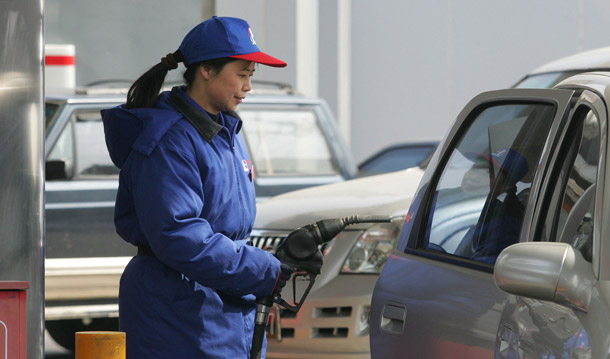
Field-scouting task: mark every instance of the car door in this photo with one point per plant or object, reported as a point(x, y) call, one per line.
point(436, 296)
point(574, 320)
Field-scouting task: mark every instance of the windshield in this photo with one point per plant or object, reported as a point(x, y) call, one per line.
point(546, 80)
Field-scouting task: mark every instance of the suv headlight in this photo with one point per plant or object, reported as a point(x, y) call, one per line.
point(370, 252)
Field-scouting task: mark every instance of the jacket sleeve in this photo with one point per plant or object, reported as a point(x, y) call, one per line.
point(168, 196)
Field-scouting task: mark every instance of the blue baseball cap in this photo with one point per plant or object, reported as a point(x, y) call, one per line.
point(220, 37)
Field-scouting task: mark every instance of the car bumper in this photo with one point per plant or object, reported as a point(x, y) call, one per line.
point(332, 323)
point(82, 287)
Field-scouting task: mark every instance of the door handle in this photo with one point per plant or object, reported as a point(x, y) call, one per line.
point(393, 318)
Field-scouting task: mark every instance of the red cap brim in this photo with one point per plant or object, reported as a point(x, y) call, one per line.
point(261, 58)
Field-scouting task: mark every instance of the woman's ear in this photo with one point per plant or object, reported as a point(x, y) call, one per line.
point(206, 72)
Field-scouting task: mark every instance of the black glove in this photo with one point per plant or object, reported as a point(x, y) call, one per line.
point(301, 249)
point(286, 271)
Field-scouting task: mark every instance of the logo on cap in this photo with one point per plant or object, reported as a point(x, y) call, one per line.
point(251, 36)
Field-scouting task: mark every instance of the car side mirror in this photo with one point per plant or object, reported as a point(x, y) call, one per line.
point(547, 271)
point(57, 170)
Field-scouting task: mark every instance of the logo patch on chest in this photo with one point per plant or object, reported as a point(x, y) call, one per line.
point(248, 167)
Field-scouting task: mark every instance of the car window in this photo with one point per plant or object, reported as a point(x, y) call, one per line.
point(84, 133)
point(50, 112)
point(287, 142)
point(63, 150)
point(396, 159)
point(92, 155)
point(572, 204)
point(480, 197)
point(545, 80)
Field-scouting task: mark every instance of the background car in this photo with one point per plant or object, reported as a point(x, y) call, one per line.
point(350, 290)
point(550, 74)
point(520, 273)
point(397, 157)
point(294, 142)
point(334, 319)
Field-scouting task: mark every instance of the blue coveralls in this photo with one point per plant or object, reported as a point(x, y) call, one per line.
point(186, 196)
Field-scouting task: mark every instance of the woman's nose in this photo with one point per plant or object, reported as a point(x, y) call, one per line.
point(248, 85)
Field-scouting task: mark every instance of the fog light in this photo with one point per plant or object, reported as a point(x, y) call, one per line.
point(362, 327)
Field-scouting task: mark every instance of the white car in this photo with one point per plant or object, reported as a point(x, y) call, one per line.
point(333, 321)
point(550, 74)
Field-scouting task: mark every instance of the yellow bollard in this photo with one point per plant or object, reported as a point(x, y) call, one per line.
point(100, 345)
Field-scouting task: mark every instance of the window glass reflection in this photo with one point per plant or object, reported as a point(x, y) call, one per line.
point(482, 192)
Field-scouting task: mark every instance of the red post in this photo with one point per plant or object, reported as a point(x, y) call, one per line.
point(13, 310)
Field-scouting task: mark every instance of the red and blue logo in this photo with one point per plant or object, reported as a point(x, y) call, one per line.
point(251, 36)
point(248, 167)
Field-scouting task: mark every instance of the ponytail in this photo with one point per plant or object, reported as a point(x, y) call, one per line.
point(144, 91)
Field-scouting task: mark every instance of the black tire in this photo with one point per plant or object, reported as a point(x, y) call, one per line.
point(63, 331)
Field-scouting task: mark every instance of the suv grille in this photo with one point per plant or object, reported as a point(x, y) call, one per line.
point(268, 242)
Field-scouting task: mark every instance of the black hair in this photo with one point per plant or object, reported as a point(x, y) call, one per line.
point(144, 91)
point(215, 65)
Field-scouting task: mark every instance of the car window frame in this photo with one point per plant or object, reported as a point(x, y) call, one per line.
point(413, 233)
point(595, 103)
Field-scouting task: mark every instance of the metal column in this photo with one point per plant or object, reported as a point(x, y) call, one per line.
point(21, 157)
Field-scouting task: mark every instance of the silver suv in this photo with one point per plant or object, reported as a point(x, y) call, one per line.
point(504, 251)
point(294, 143)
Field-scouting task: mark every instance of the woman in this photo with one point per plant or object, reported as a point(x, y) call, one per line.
point(186, 200)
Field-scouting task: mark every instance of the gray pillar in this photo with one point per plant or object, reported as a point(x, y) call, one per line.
point(21, 157)
point(307, 47)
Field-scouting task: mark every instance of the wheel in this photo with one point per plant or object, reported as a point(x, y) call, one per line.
point(63, 331)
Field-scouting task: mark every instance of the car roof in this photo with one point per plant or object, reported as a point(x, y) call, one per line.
point(600, 80)
point(596, 59)
point(75, 98)
point(263, 92)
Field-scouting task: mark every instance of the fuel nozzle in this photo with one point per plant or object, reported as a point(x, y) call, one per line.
point(301, 246)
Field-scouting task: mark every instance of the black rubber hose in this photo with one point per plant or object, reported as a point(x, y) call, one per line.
point(329, 228)
point(257, 341)
point(260, 325)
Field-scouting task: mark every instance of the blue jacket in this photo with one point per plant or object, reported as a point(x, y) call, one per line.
point(186, 192)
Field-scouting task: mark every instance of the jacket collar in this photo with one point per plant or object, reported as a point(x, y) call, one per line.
point(206, 127)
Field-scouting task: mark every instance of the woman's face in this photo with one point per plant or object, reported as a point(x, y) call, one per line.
point(227, 89)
